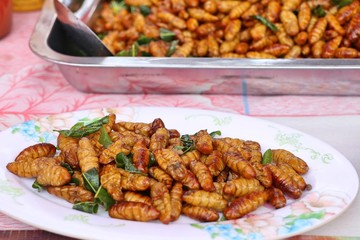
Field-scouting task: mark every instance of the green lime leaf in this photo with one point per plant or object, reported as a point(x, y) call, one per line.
point(91, 180)
point(88, 207)
point(267, 157)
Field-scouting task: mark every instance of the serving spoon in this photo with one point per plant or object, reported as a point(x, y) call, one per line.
point(79, 33)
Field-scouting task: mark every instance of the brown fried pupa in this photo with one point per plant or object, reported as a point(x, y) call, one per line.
point(136, 211)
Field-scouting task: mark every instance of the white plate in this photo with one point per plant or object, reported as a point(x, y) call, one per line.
point(330, 196)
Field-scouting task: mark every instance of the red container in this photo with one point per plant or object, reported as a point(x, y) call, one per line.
point(5, 17)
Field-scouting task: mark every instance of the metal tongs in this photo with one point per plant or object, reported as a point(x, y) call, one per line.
point(78, 32)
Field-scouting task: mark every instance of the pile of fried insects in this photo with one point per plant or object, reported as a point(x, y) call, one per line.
point(144, 171)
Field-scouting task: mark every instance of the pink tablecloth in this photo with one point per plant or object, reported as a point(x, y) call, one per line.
point(32, 87)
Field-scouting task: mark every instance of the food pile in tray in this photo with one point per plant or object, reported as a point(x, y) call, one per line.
point(231, 28)
point(145, 171)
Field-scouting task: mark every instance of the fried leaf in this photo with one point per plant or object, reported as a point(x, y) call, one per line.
point(37, 186)
point(267, 157)
point(91, 180)
point(89, 207)
point(142, 40)
point(172, 48)
point(341, 3)
point(166, 35)
point(152, 160)
point(318, 11)
point(104, 138)
point(116, 6)
point(215, 133)
point(125, 162)
point(103, 197)
point(188, 144)
point(67, 166)
point(145, 10)
point(266, 22)
point(80, 130)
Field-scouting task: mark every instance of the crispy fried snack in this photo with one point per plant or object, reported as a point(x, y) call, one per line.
point(160, 175)
point(53, 175)
point(136, 127)
point(201, 214)
point(245, 204)
point(134, 182)
point(176, 193)
point(161, 200)
point(203, 142)
point(160, 139)
point(284, 181)
point(36, 151)
point(190, 181)
point(141, 156)
point(131, 196)
point(276, 197)
point(72, 193)
point(242, 186)
point(298, 179)
point(68, 147)
point(214, 162)
point(170, 162)
point(239, 165)
point(109, 154)
point(87, 156)
point(31, 167)
point(205, 199)
point(110, 179)
point(203, 175)
point(284, 156)
point(137, 211)
point(187, 157)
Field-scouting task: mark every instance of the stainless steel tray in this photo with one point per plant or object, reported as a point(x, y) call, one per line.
point(191, 75)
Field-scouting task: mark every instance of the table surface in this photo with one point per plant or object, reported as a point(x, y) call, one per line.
point(31, 87)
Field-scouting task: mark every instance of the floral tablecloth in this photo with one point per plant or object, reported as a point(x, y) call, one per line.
point(31, 87)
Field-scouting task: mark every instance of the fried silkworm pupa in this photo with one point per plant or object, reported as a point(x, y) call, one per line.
point(109, 154)
point(245, 204)
point(284, 181)
point(276, 197)
point(283, 156)
point(203, 198)
point(141, 156)
point(68, 149)
point(239, 165)
point(176, 193)
point(242, 186)
point(203, 142)
point(134, 182)
point(160, 175)
point(214, 162)
point(187, 157)
point(190, 181)
point(170, 162)
point(131, 196)
point(298, 179)
point(161, 200)
point(159, 139)
point(30, 167)
point(87, 155)
point(136, 127)
point(53, 175)
point(136, 211)
point(110, 179)
point(36, 151)
point(203, 175)
point(201, 214)
point(71, 193)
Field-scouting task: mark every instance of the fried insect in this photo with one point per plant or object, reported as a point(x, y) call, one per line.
point(159, 139)
point(284, 156)
point(72, 193)
point(141, 156)
point(176, 193)
point(214, 162)
point(36, 151)
point(161, 200)
point(68, 147)
point(203, 142)
point(160, 175)
point(242, 186)
point(110, 179)
point(53, 175)
point(201, 214)
point(245, 204)
point(284, 181)
point(109, 154)
point(203, 198)
point(31, 167)
point(203, 175)
point(137, 211)
point(276, 198)
point(170, 162)
point(190, 181)
point(131, 196)
point(190, 156)
point(134, 182)
point(87, 156)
